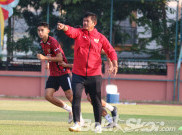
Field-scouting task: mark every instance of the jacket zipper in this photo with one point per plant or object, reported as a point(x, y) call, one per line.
point(88, 53)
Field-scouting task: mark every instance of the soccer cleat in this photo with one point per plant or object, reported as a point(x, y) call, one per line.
point(75, 128)
point(114, 114)
point(70, 119)
point(98, 129)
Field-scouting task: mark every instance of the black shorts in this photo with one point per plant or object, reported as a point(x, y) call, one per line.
point(56, 81)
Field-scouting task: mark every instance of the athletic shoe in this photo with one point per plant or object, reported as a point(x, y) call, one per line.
point(75, 128)
point(70, 119)
point(111, 125)
point(98, 129)
point(114, 114)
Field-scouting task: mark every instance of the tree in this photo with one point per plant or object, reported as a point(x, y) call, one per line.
point(162, 30)
point(70, 12)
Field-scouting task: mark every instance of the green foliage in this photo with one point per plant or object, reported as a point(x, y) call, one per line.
point(47, 1)
point(154, 20)
point(25, 44)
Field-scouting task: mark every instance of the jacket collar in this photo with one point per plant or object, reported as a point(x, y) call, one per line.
point(93, 32)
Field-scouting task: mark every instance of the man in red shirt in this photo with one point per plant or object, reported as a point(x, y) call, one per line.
point(87, 66)
point(59, 75)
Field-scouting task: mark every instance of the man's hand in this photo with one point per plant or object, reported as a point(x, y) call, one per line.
point(63, 64)
point(61, 26)
point(115, 67)
point(41, 57)
point(110, 69)
point(115, 70)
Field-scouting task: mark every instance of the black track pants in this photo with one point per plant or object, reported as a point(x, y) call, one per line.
point(92, 85)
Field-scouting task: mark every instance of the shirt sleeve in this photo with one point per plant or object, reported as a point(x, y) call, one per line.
point(55, 47)
point(72, 32)
point(109, 50)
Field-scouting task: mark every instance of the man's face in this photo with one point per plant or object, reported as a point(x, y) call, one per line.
point(88, 24)
point(42, 31)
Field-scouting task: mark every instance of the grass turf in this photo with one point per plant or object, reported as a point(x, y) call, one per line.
point(34, 117)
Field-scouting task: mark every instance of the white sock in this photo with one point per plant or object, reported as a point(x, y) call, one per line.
point(109, 107)
point(108, 118)
point(67, 108)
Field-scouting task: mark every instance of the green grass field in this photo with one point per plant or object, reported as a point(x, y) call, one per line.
point(39, 117)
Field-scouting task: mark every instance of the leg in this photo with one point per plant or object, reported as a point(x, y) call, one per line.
point(111, 108)
point(104, 112)
point(69, 95)
point(65, 83)
point(49, 97)
point(94, 89)
point(52, 86)
point(103, 103)
point(108, 106)
point(77, 87)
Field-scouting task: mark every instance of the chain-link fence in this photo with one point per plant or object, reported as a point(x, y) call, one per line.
point(139, 30)
point(145, 33)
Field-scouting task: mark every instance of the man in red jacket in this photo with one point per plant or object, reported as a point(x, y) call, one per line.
point(87, 66)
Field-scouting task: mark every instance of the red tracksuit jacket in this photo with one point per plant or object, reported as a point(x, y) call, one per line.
point(87, 51)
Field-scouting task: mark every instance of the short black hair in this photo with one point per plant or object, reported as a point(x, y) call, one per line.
point(92, 15)
point(44, 24)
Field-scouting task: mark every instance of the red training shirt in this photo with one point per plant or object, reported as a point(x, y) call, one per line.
point(52, 48)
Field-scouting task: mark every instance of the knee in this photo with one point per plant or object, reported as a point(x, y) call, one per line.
point(48, 97)
point(104, 112)
point(69, 95)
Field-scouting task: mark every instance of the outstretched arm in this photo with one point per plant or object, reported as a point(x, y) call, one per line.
point(61, 26)
point(68, 30)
